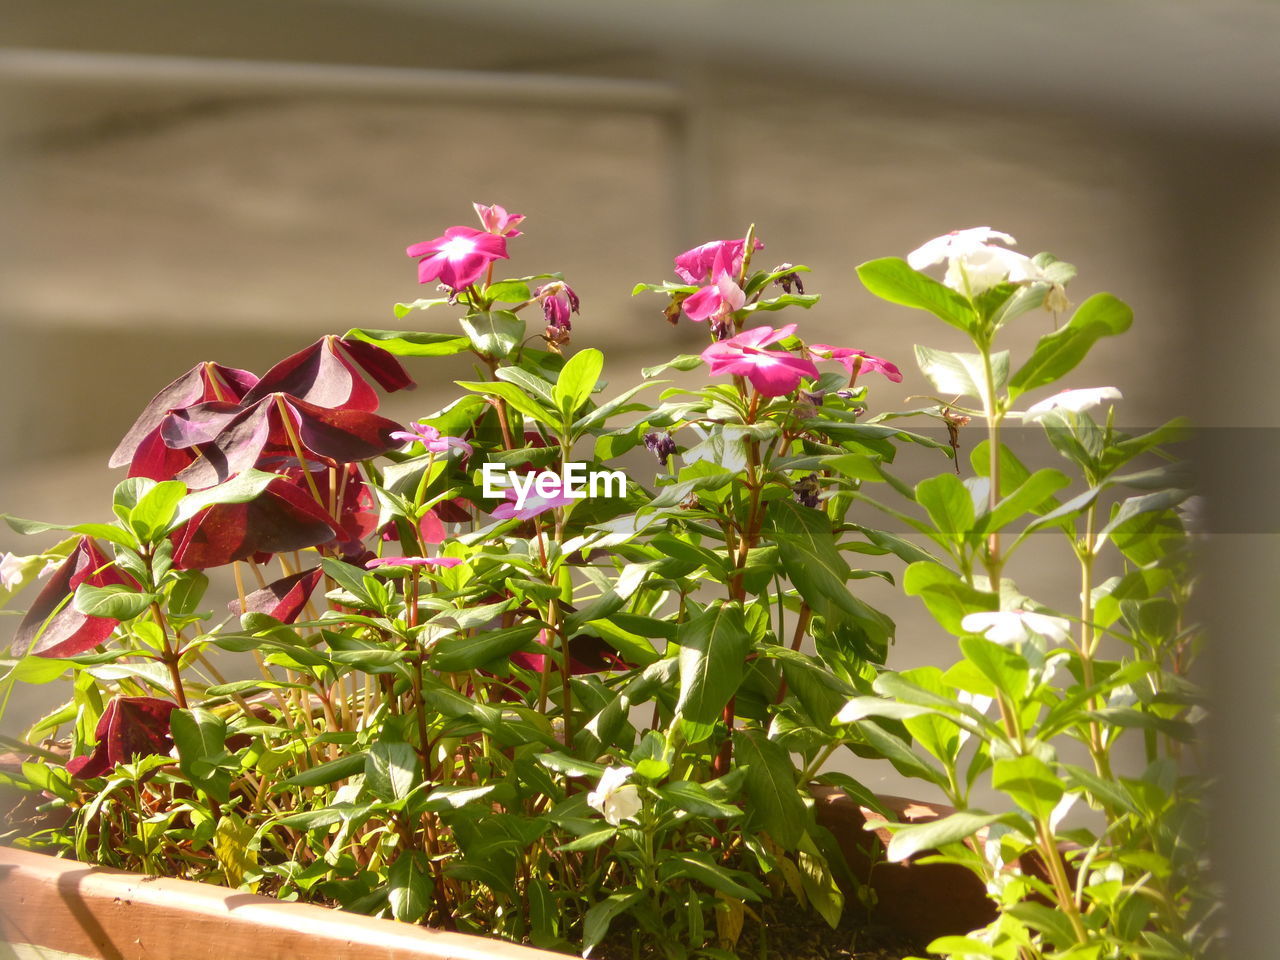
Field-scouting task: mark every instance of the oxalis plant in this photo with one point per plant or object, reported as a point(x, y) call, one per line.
point(484, 671)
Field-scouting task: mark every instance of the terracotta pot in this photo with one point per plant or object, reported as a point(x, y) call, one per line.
point(63, 908)
point(106, 914)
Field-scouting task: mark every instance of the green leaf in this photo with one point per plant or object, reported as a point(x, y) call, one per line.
point(409, 886)
point(391, 770)
point(1030, 783)
point(532, 384)
point(326, 773)
point(1008, 671)
point(200, 737)
point(771, 786)
point(1057, 353)
point(595, 926)
point(458, 654)
point(686, 361)
point(495, 334)
point(412, 343)
point(241, 488)
point(912, 839)
point(1052, 923)
point(948, 503)
point(106, 531)
point(713, 649)
point(962, 373)
point(1033, 495)
point(894, 280)
point(402, 310)
point(693, 798)
point(507, 291)
point(515, 396)
point(948, 597)
point(819, 883)
point(115, 602)
point(577, 381)
point(152, 516)
point(703, 869)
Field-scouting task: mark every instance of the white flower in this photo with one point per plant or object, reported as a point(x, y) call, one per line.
point(1074, 401)
point(1009, 627)
point(614, 797)
point(973, 264)
point(11, 570)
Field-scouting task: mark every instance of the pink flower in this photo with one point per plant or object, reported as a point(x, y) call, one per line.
point(772, 372)
point(430, 438)
point(715, 302)
point(699, 264)
point(558, 302)
point(413, 562)
point(497, 221)
point(459, 257)
point(848, 357)
point(530, 505)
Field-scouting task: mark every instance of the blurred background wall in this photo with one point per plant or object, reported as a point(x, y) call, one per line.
point(186, 182)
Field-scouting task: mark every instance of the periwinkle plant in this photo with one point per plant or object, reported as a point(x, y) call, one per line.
point(564, 719)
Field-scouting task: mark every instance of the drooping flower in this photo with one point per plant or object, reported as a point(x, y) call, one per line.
point(858, 360)
point(614, 797)
point(1009, 627)
point(130, 727)
point(497, 221)
point(430, 438)
point(531, 505)
point(699, 264)
point(974, 265)
point(558, 302)
point(772, 372)
point(716, 301)
point(1072, 401)
point(806, 491)
point(661, 445)
point(458, 257)
point(412, 562)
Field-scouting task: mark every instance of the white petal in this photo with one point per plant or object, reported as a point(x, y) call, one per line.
point(1075, 401)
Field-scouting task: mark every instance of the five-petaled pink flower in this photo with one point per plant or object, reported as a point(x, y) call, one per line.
point(772, 372)
point(430, 438)
point(530, 505)
point(413, 562)
point(699, 264)
point(716, 301)
point(497, 221)
point(849, 359)
point(459, 257)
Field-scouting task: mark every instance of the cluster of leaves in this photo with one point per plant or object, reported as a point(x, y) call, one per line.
point(558, 719)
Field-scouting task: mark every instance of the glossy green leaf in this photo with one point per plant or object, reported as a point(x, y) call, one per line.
point(910, 840)
point(456, 654)
point(962, 374)
point(893, 279)
point(713, 648)
point(391, 770)
point(578, 380)
point(410, 886)
point(1030, 783)
point(771, 786)
point(516, 396)
point(494, 334)
point(115, 602)
point(1057, 353)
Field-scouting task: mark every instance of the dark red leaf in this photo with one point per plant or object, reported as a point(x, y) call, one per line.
point(157, 460)
point(322, 375)
point(69, 632)
point(283, 518)
point(256, 436)
point(379, 364)
point(283, 599)
point(130, 727)
point(204, 381)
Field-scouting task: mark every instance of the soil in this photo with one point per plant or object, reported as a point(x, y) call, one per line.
point(792, 933)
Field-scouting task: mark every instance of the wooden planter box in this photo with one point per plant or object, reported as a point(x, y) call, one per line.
point(54, 909)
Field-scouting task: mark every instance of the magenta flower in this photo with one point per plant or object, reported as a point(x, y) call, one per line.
point(849, 359)
point(558, 302)
point(527, 504)
point(772, 372)
point(497, 221)
point(412, 562)
point(459, 257)
point(715, 302)
point(430, 438)
point(699, 264)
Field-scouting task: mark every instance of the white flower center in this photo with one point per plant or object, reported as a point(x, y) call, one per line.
point(457, 248)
